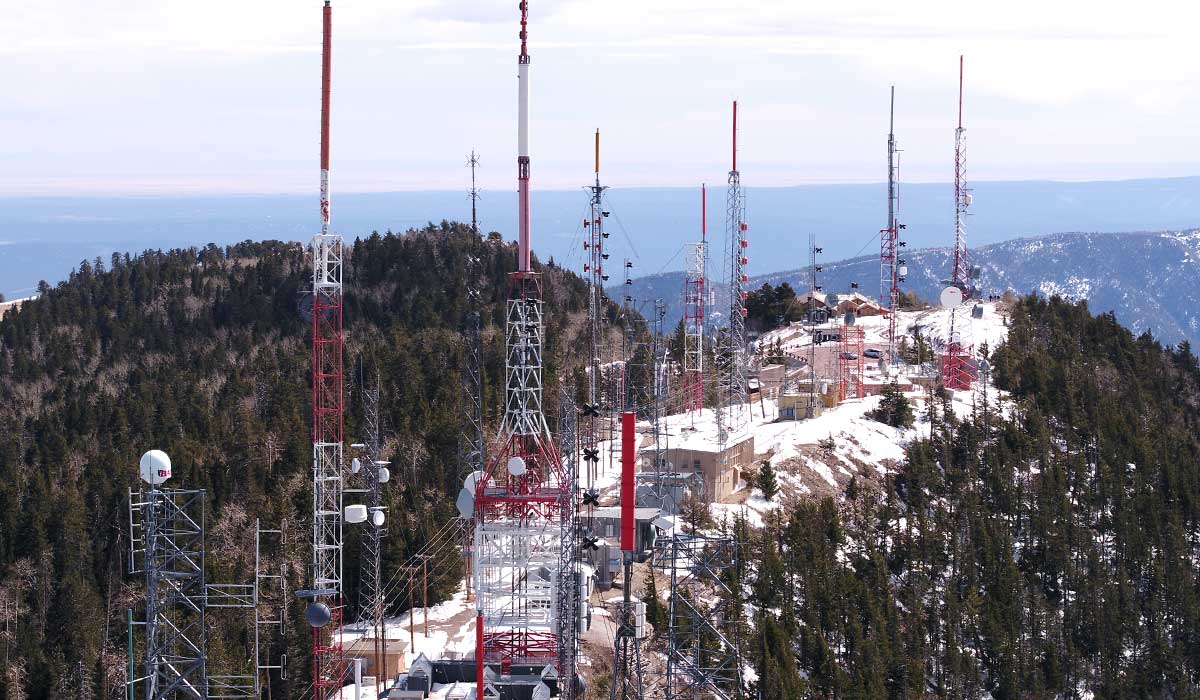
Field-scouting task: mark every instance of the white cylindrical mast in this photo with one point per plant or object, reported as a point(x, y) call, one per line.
point(523, 237)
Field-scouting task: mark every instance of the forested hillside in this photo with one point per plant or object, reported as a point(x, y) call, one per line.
point(205, 354)
point(1045, 546)
point(1049, 550)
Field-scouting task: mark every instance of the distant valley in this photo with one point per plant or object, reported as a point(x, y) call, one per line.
point(46, 237)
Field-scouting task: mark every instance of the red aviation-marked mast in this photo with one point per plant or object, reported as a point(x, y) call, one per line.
point(326, 70)
point(324, 612)
point(523, 509)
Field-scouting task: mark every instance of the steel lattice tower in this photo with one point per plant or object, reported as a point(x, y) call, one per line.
point(814, 288)
point(328, 467)
point(956, 362)
point(850, 369)
point(703, 647)
point(693, 315)
point(166, 545)
point(473, 162)
point(523, 504)
point(733, 378)
point(168, 524)
point(568, 603)
point(889, 240)
point(371, 606)
point(594, 271)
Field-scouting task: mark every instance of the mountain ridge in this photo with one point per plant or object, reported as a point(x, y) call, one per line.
point(1146, 278)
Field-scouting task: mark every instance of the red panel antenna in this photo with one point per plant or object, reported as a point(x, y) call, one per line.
point(628, 476)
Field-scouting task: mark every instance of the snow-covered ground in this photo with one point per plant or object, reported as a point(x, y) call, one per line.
point(933, 323)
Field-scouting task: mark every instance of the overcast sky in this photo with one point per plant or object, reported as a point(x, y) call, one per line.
point(181, 96)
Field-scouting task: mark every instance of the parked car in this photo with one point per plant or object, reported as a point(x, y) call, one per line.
point(872, 353)
point(849, 356)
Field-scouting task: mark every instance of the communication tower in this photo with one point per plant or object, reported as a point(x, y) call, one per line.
point(325, 607)
point(594, 247)
point(733, 377)
point(373, 472)
point(957, 359)
point(693, 316)
point(813, 320)
point(167, 546)
point(473, 162)
point(166, 535)
point(523, 503)
point(892, 268)
point(703, 646)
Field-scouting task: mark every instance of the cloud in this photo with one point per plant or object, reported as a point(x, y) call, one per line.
point(161, 94)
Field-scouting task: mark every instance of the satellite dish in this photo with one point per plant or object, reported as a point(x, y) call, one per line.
point(355, 466)
point(465, 504)
point(384, 475)
point(472, 479)
point(317, 614)
point(155, 467)
point(952, 297)
point(516, 465)
point(356, 513)
point(378, 518)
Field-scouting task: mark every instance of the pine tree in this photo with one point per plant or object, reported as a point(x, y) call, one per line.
point(894, 408)
point(766, 480)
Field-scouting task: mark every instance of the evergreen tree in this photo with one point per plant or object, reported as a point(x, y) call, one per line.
point(894, 408)
point(766, 480)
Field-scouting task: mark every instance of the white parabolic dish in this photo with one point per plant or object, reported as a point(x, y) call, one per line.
point(516, 465)
point(952, 297)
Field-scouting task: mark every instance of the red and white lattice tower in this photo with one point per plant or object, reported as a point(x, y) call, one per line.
point(957, 359)
point(523, 501)
point(850, 363)
point(889, 242)
point(328, 662)
point(693, 315)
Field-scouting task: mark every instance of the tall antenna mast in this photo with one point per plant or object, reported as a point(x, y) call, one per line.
point(956, 363)
point(324, 611)
point(524, 502)
point(693, 316)
point(473, 162)
point(523, 143)
point(891, 273)
point(733, 390)
point(593, 245)
point(813, 320)
point(960, 274)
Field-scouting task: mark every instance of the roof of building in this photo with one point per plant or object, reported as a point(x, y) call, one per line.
point(615, 512)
